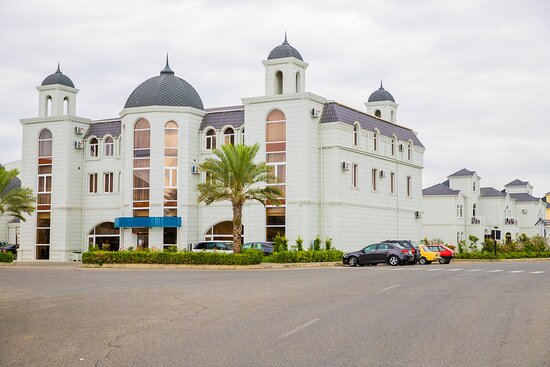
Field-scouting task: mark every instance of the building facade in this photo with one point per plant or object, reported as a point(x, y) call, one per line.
point(130, 181)
point(460, 207)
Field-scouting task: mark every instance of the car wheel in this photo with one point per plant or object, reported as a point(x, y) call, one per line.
point(352, 261)
point(423, 261)
point(393, 260)
point(443, 261)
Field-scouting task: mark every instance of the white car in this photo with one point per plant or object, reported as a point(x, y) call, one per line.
point(214, 246)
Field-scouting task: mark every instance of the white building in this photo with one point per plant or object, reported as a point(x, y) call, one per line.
point(131, 181)
point(460, 207)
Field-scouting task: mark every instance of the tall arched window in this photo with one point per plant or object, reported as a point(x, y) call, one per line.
point(461, 208)
point(474, 210)
point(105, 235)
point(242, 135)
point(410, 150)
point(44, 195)
point(222, 231)
point(458, 211)
point(279, 82)
point(298, 89)
point(66, 105)
point(48, 106)
point(392, 116)
point(375, 139)
point(109, 147)
point(393, 145)
point(170, 234)
point(378, 114)
point(210, 142)
point(355, 135)
point(229, 136)
point(276, 158)
point(94, 148)
point(142, 164)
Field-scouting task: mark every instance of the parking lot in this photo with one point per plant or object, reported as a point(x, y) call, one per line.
point(460, 314)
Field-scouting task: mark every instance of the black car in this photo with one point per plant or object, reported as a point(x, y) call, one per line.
point(9, 248)
point(390, 253)
point(413, 246)
point(267, 247)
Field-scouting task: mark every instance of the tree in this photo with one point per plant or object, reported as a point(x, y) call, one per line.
point(234, 176)
point(14, 201)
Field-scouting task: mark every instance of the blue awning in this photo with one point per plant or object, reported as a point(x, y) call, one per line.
point(132, 222)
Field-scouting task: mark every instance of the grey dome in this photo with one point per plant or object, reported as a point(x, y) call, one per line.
point(284, 50)
point(381, 95)
point(58, 78)
point(165, 89)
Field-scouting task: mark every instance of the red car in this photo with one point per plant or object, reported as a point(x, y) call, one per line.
point(446, 253)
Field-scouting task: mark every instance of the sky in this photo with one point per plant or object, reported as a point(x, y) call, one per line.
point(471, 77)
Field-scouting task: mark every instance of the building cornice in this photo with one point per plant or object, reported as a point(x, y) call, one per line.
point(284, 97)
point(60, 118)
point(42, 88)
point(373, 155)
point(153, 109)
point(286, 60)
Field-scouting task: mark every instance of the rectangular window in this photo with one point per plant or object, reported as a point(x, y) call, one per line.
point(354, 172)
point(170, 236)
point(92, 183)
point(409, 186)
point(108, 184)
point(374, 179)
point(392, 183)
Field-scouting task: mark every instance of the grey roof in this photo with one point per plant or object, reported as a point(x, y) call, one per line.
point(15, 183)
point(441, 190)
point(284, 50)
point(165, 89)
point(381, 95)
point(491, 192)
point(524, 197)
point(58, 78)
point(463, 172)
point(101, 128)
point(446, 183)
point(333, 112)
point(219, 117)
point(517, 182)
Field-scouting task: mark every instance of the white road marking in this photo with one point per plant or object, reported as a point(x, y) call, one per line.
point(515, 271)
point(537, 272)
point(456, 269)
point(475, 270)
point(494, 271)
point(299, 328)
point(387, 289)
point(436, 269)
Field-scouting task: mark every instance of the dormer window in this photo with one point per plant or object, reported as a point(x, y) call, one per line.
point(109, 147)
point(229, 136)
point(94, 148)
point(211, 139)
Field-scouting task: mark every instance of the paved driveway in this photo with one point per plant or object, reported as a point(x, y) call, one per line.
point(461, 314)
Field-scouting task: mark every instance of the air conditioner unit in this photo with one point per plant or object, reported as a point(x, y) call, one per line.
point(315, 113)
point(79, 130)
point(401, 147)
point(383, 174)
point(79, 144)
point(418, 214)
point(194, 170)
point(345, 166)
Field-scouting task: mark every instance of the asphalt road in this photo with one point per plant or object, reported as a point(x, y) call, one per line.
point(461, 314)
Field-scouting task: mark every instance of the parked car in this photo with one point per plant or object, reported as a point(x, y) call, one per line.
point(445, 253)
point(6, 247)
point(428, 256)
point(413, 246)
point(390, 253)
point(267, 247)
point(214, 246)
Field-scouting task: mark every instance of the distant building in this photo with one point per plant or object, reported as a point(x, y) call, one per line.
point(130, 181)
point(460, 207)
point(9, 226)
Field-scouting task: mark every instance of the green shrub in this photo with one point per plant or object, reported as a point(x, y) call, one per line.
point(503, 255)
point(93, 248)
point(105, 247)
point(304, 256)
point(280, 243)
point(6, 257)
point(171, 248)
point(328, 243)
point(317, 244)
point(299, 242)
point(249, 257)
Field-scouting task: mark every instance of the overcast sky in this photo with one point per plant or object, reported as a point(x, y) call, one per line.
point(471, 77)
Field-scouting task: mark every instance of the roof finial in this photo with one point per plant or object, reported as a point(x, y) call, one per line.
point(167, 69)
point(285, 38)
point(381, 86)
point(58, 68)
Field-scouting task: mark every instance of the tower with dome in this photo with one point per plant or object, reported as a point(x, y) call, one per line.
point(130, 181)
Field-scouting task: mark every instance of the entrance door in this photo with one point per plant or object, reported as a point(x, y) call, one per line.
point(142, 237)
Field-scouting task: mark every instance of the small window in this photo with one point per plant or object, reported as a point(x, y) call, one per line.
point(66, 105)
point(378, 114)
point(109, 147)
point(242, 135)
point(229, 136)
point(279, 83)
point(211, 139)
point(461, 207)
point(393, 140)
point(94, 148)
point(375, 141)
point(392, 183)
point(374, 179)
point(409, 151)
point(354, 172)
point(108, 182)
point(474, 210)
point(92, 183)
point(409, 186)
point(474, 186)
point(355, 135)
point(48, 106)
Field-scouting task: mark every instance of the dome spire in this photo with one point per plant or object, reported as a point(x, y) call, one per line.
point(58, 68)
point(167, 69)
point(285, 38)
point(381, 86)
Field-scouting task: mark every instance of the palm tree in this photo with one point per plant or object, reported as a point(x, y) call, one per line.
point(14, 201)
point(234, 176)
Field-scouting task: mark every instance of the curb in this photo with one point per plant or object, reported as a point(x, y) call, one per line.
point(534, 259)
point(263, 266)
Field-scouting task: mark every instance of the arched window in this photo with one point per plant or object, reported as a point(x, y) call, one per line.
point(378, 114)
point(474, 186)
point(355, 135)
point(276, 158)
point(210, 142)
point(298, 89)
point(392, 116)
point(105, 236)
point(410, 150)
point(393, 145)
point(48, 106)
point(141, 180)
point(94, 148)
point(109, 147)
point(242, 134)
point(66, 105)
point(508, 237)
point(222, 231)
point(458, 211)
point(457, 237)
point(170, 170)
point(279, 82)
point(375, 139)
point(44, 195)
point(229, 136)
point(474, 210)
point(461, 208)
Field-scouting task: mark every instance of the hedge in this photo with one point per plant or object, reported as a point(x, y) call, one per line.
point(6, 257)
point(248, 257)
point(304, 256)
point(503, 255)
